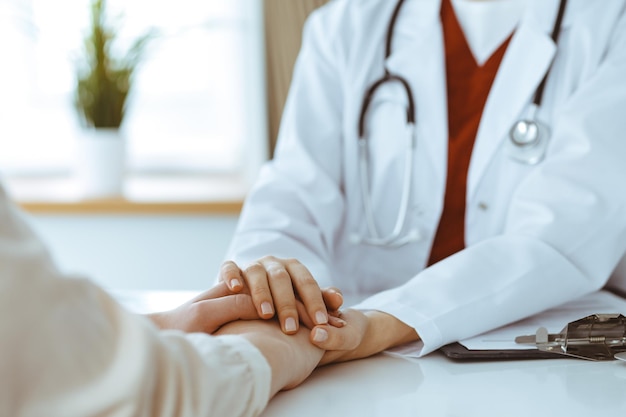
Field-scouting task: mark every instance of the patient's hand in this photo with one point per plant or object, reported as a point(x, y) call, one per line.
point(291, 357)
point(208, 311)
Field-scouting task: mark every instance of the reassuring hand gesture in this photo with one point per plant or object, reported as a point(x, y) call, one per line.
point(285, 287)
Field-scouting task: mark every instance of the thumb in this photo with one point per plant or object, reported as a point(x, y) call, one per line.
point(329, 337)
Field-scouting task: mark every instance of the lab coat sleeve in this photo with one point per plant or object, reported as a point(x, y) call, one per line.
point(564, 234)
point(68, 350)
point(296, 205)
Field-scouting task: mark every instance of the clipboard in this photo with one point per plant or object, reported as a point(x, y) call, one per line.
point(566, 314)
point(459, 352)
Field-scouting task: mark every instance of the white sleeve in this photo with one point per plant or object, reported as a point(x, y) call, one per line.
point(296, 205)
point(67, 349)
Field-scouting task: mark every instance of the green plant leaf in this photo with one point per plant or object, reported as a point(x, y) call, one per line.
point(104, 81)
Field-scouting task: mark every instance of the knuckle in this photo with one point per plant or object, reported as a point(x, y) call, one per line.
point(267, 258)
point(308, 284)
point(228, 273)
point(292, 261)
point(286, 310)
point(229, 265)
point(259, 292)
point(278, 272)
point(243, 302)
point(254, 268)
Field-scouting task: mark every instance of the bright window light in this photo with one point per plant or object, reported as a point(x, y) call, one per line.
point(198, 103)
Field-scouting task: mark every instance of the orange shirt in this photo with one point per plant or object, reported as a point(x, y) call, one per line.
point(468, 86)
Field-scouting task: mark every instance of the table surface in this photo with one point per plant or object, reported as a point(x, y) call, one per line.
point(437, 386)
point(433, 386)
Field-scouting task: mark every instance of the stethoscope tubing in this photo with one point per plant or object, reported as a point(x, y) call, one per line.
point(391, 239)
point(522, 127)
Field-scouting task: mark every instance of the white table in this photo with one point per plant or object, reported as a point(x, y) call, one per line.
point(433, 386)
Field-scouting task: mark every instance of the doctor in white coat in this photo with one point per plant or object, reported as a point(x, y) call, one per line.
point(543, 224)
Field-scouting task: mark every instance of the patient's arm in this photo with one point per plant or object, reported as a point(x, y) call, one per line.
point(67, 349)
point(220, 312)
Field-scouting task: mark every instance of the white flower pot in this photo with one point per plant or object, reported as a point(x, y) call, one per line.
point(101, 163)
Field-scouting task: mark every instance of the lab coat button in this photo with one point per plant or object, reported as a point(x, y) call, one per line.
point(483, 206)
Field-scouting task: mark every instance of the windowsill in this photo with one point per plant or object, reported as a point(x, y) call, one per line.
point(143, 194)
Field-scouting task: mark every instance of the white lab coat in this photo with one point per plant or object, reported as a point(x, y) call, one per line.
point(536, 236)
point(68, 350)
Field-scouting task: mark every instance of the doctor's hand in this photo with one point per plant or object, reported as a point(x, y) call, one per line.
point(281, 285)
point(208, 311)
point(364, 334)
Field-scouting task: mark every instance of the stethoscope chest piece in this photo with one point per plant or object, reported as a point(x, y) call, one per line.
point(525, 133)
point(529, 137)
point(528, 141)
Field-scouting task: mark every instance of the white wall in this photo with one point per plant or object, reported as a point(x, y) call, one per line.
point(139, 252)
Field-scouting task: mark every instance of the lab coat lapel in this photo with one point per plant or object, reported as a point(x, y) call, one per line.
point(524, 65)
point(417, 55)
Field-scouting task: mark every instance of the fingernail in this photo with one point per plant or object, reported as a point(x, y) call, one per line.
point(290, 324)
point(321, 318)
point(266, 308)
point(234, 283)
point(337, 322)
point(337, 293)
point(320, 335)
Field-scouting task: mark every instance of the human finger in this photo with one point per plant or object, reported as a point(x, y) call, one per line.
point(333, 298)
point(231, 274)
point(256, 279)
point(304, 315)
point(342, 339)
point(308, 291)
point(210, 315)
point(280, 284)
point(335, 338)
point(336, 321)
point(306, 320)
point(218, 290)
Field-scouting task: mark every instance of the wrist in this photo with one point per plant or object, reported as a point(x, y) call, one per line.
point(290, 357)
point(274, 352)
point(387, 331)
point(381, 331)
point(157, 319)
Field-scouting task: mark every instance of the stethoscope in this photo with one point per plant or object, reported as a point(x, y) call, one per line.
point(528, 143)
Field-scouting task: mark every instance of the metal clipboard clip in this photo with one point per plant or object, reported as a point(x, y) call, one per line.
point(598, 337)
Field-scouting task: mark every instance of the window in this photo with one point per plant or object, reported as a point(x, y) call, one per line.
point(198, 103)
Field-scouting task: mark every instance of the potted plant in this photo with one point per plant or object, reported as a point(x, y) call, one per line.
point(104, 80)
